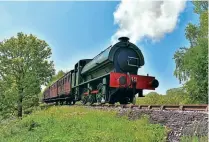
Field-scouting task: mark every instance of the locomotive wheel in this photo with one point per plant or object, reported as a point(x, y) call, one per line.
point(73, 102)
point(112, 101)
point(61, 102)
point(100, 96)
point(123, 101)
point(84, 100)
point(91, 99)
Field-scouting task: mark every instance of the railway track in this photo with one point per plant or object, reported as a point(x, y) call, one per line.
point(190, 107)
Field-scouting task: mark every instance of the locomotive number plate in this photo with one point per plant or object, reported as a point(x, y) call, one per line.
point(133, 78)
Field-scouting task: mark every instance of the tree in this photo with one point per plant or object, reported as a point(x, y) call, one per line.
point(192, 62)
point(7, 96)
point(25, 66)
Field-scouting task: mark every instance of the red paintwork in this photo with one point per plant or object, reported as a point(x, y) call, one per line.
point(53, 90)
point(67, 88)
point(142, 82)
point(59, 88)
point(86, 93)
point(64, 89)
point(94, 92)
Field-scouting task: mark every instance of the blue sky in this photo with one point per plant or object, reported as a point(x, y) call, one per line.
point(76, 30)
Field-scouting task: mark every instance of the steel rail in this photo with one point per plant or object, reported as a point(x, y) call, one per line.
point(188, 107)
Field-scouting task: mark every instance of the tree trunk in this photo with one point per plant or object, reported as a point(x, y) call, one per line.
point(20, 98)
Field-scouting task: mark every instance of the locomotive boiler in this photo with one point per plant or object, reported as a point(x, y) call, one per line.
point(109, 77)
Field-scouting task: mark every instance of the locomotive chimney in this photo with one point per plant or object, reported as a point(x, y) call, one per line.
point(123, 39)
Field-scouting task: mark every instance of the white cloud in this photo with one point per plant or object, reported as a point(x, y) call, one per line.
point(153, 19)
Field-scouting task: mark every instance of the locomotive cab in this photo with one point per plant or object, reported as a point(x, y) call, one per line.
point(78, 78)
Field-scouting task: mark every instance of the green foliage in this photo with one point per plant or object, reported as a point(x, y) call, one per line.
point(8, 95)
point(78, 124)
point(200, 7)
point(175, 96)
point(192, 63)
point(24, 68)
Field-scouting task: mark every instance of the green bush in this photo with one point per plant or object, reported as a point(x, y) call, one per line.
point(176, 96)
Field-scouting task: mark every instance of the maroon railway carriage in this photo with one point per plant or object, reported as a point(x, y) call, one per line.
point(60, 91)
point(109, 77)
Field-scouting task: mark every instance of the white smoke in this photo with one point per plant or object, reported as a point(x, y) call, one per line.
point(152, 19)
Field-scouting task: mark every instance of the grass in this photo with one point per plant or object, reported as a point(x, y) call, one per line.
point(79, 124)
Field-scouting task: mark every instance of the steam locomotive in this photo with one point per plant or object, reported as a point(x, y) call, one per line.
point(109, 77)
